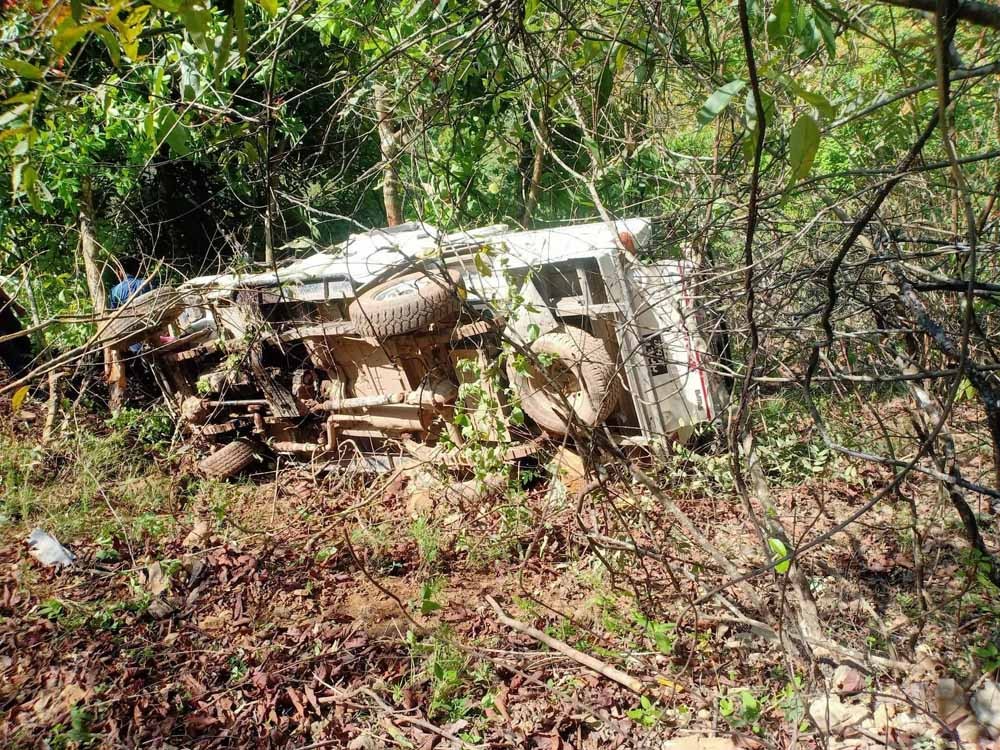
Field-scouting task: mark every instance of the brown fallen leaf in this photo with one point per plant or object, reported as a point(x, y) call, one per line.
point(158, 608)
point(49, 706)
point(199, 536)
point(847, 680)
point(157, 581)
point(211, 622)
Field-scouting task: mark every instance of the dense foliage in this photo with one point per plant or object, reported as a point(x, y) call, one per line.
point(195, 121)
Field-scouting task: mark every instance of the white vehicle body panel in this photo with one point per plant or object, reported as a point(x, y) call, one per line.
point(672, 347)
point(363, 258)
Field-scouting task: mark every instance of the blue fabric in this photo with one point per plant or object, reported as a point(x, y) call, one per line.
point(126, 289)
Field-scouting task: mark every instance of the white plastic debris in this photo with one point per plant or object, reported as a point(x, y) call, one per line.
point(832, 716)
point(986, 704)
point(47, 550)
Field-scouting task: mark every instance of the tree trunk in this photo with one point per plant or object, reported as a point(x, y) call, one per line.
point(392, 189)
point(537, 167)
point(114, 369)
point(52, 403)
point(88, 248)
point(269, 222)
point(269, 185)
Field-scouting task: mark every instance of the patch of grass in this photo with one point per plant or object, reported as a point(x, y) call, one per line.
point(741, 709)
point(238, 668)
point(219, 496)
point(510, 523)
point(76, 735)
point(663, 635)
point(525, 605)
point(152, 428)
point(428, 539)
point(84, 485)
point(325, 554)
point(428, 595)
point(21, 469)
point(98, 615)
point(456, 685)
point(374, 542)
point(152, 525)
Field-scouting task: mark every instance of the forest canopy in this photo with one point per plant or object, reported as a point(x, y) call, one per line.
point(208, 132)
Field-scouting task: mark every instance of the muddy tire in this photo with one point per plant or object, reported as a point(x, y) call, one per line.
point(572, 368)
point(141, 317)
point(228, 461)
point(407, 303)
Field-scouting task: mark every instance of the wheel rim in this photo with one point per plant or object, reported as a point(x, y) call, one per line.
point(561, 383)
point(404, 288)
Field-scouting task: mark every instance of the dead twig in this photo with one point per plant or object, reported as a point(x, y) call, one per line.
point(415, 720)
point(612, 673)
point(364, 571)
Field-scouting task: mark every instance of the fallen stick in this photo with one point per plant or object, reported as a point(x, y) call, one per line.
point(414, 720)
point(612, 673)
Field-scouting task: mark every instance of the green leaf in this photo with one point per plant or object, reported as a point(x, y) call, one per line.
point(726, 706)
point(76, 9)
point(482, 264)
point(25, 97)
point(750, 110)
point(780, 19)
point(718, 101)
point(427, 603)
point(240, 22)
point(820, 102)
point(130, 30)
point(22, 68)
point(808, 34)
point(28, 176)
point(68, 35)
point(16, 176)
point(177, 139)
point(620, 57)
point(802, 144)
point(643, 71)
point(18, 133)
point(225, 46)
point(826, 31)
point(196, 19)
point(271, 6)
point(111, 42)
point(780, 551)
point(173, 132)
point(751, 706)
point(34, 189)
point(605, 82)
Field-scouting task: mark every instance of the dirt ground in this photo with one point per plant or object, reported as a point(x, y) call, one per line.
point(289, 611)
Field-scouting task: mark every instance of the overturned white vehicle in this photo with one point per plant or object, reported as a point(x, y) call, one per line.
point(403, 338)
